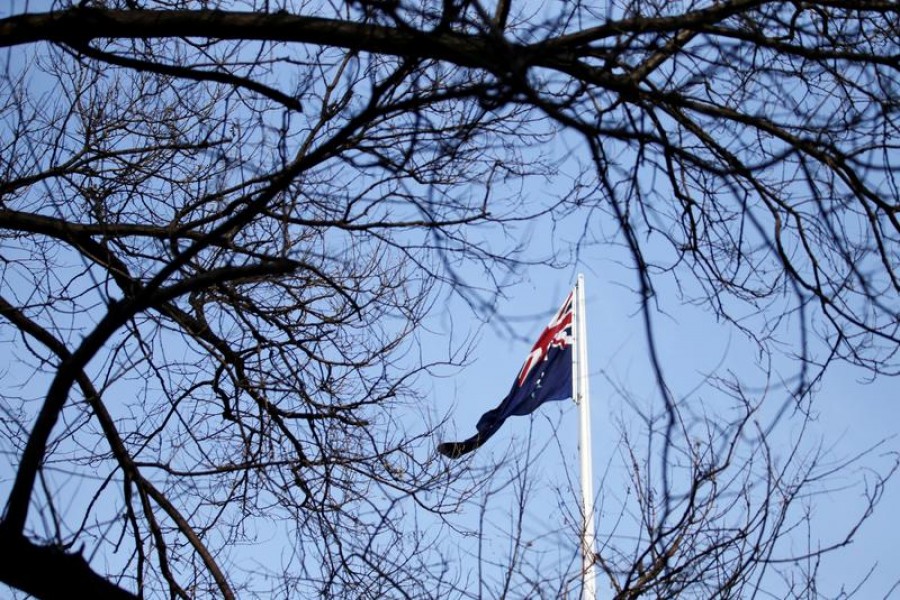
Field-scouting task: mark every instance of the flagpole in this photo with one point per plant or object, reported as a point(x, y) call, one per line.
point(581, 395)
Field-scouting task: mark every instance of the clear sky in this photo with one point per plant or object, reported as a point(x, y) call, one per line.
point(849, 414)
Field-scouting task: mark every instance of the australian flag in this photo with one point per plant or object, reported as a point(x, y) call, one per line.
point(545, 376)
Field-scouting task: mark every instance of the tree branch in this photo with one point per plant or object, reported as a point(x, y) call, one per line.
point(49, 573)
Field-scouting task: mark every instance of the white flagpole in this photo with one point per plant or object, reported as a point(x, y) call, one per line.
point(581, 393)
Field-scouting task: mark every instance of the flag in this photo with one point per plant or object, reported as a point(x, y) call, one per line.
point(545, 376)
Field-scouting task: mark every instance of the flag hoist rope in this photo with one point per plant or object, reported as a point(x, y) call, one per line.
point(581, 394)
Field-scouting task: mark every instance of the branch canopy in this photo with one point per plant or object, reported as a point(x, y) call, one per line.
point(230, 240)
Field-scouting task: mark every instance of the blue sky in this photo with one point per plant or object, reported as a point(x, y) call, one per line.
point(849, 414)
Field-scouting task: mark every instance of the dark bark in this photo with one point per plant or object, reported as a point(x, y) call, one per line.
point(50, 572)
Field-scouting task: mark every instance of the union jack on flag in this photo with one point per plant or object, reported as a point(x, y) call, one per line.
point(545, 376)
